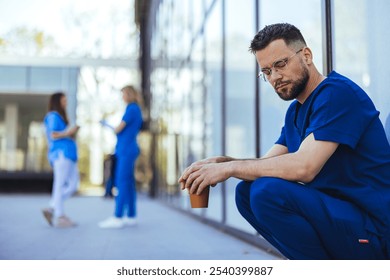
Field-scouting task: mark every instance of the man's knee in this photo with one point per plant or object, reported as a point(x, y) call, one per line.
point(242, 192)
point(266, 193)
point(270, 184)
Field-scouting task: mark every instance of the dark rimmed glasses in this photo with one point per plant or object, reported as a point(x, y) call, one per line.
point(276, 66)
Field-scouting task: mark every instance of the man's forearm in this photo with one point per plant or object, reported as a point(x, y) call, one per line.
point(286, 166)
point(300, 166)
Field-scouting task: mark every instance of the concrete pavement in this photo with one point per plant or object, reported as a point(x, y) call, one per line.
point(162, 233)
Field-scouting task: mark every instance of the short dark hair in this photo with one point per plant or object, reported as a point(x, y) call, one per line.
point(285, 31)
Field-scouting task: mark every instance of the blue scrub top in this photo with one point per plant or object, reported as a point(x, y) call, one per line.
point(339, 111)
point(127, 138)
point(55, 123)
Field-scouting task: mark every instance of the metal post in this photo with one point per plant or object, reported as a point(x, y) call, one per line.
point(327, 36)
point(223, 104)
point(257, 92)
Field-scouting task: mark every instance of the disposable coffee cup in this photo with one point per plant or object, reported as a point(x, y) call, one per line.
point(200, 201)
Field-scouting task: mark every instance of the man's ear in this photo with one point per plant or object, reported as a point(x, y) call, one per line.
point(307, 53)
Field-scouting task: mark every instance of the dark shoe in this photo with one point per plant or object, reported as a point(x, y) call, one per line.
point(108, 196)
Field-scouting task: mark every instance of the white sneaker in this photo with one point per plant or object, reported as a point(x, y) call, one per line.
point(127, 221)
point(111, 222)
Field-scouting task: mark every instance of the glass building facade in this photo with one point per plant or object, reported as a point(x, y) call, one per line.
point(89, 52)
point(202, 93)
point(207, 101)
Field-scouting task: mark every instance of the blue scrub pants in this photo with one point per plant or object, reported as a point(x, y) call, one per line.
point(306, 224)
point(125, 201)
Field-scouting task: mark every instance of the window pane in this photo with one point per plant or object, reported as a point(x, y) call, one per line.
point(213, 94)
point(308, 21)
point(362, 49)
point(240, 94)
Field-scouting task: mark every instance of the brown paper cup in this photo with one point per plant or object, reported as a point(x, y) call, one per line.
point(200, 201)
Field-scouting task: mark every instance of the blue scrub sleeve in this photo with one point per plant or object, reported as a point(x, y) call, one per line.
point(129, 113)
point(340, 115)
point(54, 122)
point(282, 138)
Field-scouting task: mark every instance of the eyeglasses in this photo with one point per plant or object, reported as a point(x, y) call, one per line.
point(276, 66)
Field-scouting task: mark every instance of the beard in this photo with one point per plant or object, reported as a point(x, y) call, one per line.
point(297, 87)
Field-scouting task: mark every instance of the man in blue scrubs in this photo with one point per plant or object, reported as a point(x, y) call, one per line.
point(323, 189)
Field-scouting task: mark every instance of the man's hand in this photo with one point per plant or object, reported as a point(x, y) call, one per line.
point(217, 159)
point(204, 173)
point(196, 166)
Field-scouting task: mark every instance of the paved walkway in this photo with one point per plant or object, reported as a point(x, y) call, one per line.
point(162, 233)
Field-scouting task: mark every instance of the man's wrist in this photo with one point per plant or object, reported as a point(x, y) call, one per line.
point(230, 168)
point(224, 159)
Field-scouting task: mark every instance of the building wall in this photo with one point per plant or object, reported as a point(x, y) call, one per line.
point(207, 100)
point(24, 95)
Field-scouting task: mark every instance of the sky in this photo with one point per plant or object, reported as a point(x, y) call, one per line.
point(73, 22)
point(36, 13)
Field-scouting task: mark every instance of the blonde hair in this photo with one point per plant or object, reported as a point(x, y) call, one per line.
point(137, 95)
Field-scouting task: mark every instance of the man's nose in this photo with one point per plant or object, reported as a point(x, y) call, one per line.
point(275, 75)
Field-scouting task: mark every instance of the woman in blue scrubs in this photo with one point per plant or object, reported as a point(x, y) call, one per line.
point(126, 153)
point(62, 155)
point(323, 189)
